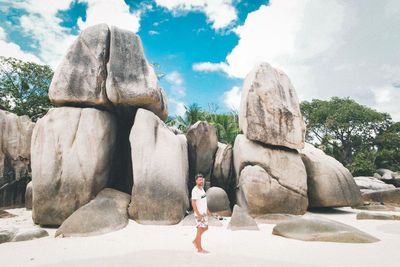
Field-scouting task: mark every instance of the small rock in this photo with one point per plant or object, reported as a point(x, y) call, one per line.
point(376, 216)
point(313, 228)
point(218, 202)
point(240, 220)
point(6, 235)
point(106, 213)
point(30, 234)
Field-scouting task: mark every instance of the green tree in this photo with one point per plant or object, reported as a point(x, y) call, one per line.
point(343, 127)
point(193, 114)
point(225, 125)
point(388, 148)
point(24, 87)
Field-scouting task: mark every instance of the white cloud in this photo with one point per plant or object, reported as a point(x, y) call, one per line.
point(232, 97)
point(153, 32)
point(112, 13)
point(2, 34)
point(327, 48)
point(208, 66)
point(220, 12)
point(176, 81)
point(43, 26)
point(179, 107)
point(13, 50)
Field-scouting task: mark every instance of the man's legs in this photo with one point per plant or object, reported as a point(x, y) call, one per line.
point(197, 240)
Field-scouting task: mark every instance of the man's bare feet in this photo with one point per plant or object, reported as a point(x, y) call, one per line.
point(195, 245)
point(203, 251)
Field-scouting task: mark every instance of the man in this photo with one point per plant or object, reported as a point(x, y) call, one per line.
point(201, 212)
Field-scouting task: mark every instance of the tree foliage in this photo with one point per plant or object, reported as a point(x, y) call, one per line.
point(24, 87)
point(225, 125)
point(356, 135)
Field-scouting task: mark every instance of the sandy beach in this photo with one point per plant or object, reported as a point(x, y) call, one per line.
point(144, 245)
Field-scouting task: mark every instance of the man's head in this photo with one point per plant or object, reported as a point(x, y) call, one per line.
point(199, 179)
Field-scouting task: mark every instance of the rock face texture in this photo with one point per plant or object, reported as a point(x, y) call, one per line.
point(71, 151)
point(270, 180)
point(390, 177)
point(313, 228)
point(131, 80)
point(202, 144)
point(330, 184)
point(28, 196)
point(377, 207)
point(222, 174)
point(106, 67)
point(160, 170)
point(15, 172)
point(269, 109)
point(80, 79)
point(391, 196)
point(14, 235)
point(106, 213)
point(241, 220)
point(376, 216)
point(218, 202)
point(274, 218)
point(371, 184)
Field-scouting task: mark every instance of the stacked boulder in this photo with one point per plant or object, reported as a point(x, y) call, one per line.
point(270, 175)
point(330, 184)
point(15, 172)
point(160, 168)
point(276, 172)
point(202, 142)
point(84, 145)
point(223, 175)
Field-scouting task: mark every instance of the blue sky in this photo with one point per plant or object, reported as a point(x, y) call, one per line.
point(206, 47)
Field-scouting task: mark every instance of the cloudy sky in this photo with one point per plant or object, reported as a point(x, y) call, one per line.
point(206, 47)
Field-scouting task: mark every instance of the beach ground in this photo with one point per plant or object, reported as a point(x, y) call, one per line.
point(144, 245)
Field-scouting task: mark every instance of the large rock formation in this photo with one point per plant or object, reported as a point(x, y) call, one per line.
point(222, 174)
point(390, 177)
point(269, 109)
point(15, 142)
point(218, 202)
point(313, 228)
point(377, 216)
point(391, 196)
point(330, 184)
point(160, 167)
point(80, 79)
point(28, 196)
point(270, 180)
point(132, 81)
point(107, 68)
point(72, 151)
point(371, 184)
point(106, 213)
point(202, 144)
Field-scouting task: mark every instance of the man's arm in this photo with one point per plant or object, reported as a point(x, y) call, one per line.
point(199, 216)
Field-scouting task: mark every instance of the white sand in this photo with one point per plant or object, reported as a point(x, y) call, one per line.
point(140, 245)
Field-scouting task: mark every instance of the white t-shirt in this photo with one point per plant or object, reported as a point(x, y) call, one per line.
point(201, 200)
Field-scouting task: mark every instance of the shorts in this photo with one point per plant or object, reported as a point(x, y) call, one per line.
point(203, 223)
